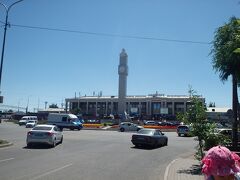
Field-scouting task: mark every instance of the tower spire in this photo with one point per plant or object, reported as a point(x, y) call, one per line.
point(122, 88)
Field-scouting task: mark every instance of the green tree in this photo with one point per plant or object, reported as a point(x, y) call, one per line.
point(226, 62)
point(203, 130)
point(196, 117)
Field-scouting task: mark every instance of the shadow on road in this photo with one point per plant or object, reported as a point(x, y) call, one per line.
point(194, 170)
point(145, 147)
point(38, 146)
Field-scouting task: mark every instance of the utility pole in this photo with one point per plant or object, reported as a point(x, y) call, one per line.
point(6, 25)
point(46, 105)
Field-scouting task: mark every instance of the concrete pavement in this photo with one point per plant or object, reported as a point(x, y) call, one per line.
point(184, 168)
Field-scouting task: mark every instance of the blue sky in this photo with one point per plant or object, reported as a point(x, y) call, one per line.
point(45, 65)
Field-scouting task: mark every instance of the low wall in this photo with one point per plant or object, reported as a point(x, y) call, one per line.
point(92, 125)
point(162, 128)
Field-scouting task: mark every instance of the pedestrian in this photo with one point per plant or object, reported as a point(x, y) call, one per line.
point(220, 163)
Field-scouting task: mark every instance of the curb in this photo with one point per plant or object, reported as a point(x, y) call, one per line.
point(116, 129)
point(185, 161)
point(6, 145)
point(168, 167)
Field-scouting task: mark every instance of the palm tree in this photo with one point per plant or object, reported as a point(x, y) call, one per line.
point(226, 62)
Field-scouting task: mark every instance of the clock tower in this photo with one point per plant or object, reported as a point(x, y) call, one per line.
point(122, 86)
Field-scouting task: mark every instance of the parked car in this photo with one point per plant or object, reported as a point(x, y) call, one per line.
point(184, 130)
point(44, 134)
point(149, 123)
point(25, 119)
point(165, 123)
point(226, 132)
point(149, 137)
point(31, 123)
point(128, 126)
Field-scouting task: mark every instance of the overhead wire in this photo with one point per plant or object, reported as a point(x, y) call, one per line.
point(111, 35)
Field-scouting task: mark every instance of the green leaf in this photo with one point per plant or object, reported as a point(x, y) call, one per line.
point(237, 51)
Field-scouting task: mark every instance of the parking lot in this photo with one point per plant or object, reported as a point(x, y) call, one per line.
point(87, 154)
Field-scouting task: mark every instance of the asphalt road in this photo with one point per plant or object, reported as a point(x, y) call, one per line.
point(87, 155)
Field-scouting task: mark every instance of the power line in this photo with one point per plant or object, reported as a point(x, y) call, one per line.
point(111, 35)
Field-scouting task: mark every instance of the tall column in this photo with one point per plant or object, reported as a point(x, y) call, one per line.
point(140, 108)
point(173, 108)
point(106, 107)
point(150, 105)
point(87, 108)
point(96, 112)
point(66, 106)
point(111, 107)
point(184, 106)
point(122, 87)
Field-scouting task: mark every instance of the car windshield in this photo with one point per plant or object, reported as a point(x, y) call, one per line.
point(46, 128)
point(146, 131)
point(75, 120)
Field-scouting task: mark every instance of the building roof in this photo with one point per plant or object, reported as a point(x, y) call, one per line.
point(52, 110)
point(133, 97)
point(218, 109)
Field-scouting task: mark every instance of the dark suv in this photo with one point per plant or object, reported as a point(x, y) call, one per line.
point(183, 130)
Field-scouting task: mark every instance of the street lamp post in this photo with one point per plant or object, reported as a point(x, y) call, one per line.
point(6, 24)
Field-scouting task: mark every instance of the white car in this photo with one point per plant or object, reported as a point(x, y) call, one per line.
point(31, 123)
point(44, 134)
point(25, 119)
point(128, 126)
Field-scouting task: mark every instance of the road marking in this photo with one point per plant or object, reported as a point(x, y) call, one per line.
point(53, 171)
point(167, 169)
point(6, 160)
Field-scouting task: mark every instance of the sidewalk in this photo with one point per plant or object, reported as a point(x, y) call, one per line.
point(183, 169)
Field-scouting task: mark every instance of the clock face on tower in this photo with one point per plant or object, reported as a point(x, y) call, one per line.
point(121, 69)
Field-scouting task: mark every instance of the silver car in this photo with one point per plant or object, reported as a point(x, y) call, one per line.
point(128, 126)
point(44, 134)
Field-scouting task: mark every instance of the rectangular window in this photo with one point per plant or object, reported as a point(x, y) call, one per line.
point(64, 119)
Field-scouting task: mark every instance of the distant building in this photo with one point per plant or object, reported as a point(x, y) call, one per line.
point(218, 114)
point(151, 106)
point(43, 114)
point(144, 106)
point(52, 110)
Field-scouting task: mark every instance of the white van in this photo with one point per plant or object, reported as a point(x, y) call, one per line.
point(64, 120)
point(25, 119)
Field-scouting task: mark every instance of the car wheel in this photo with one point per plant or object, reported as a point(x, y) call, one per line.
point(61, 140)
point(71, 128)
point(54, 143)
point(29, 145)
point(137, 145)
point(122, 129)
point(156, 144)
point(166, 143)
